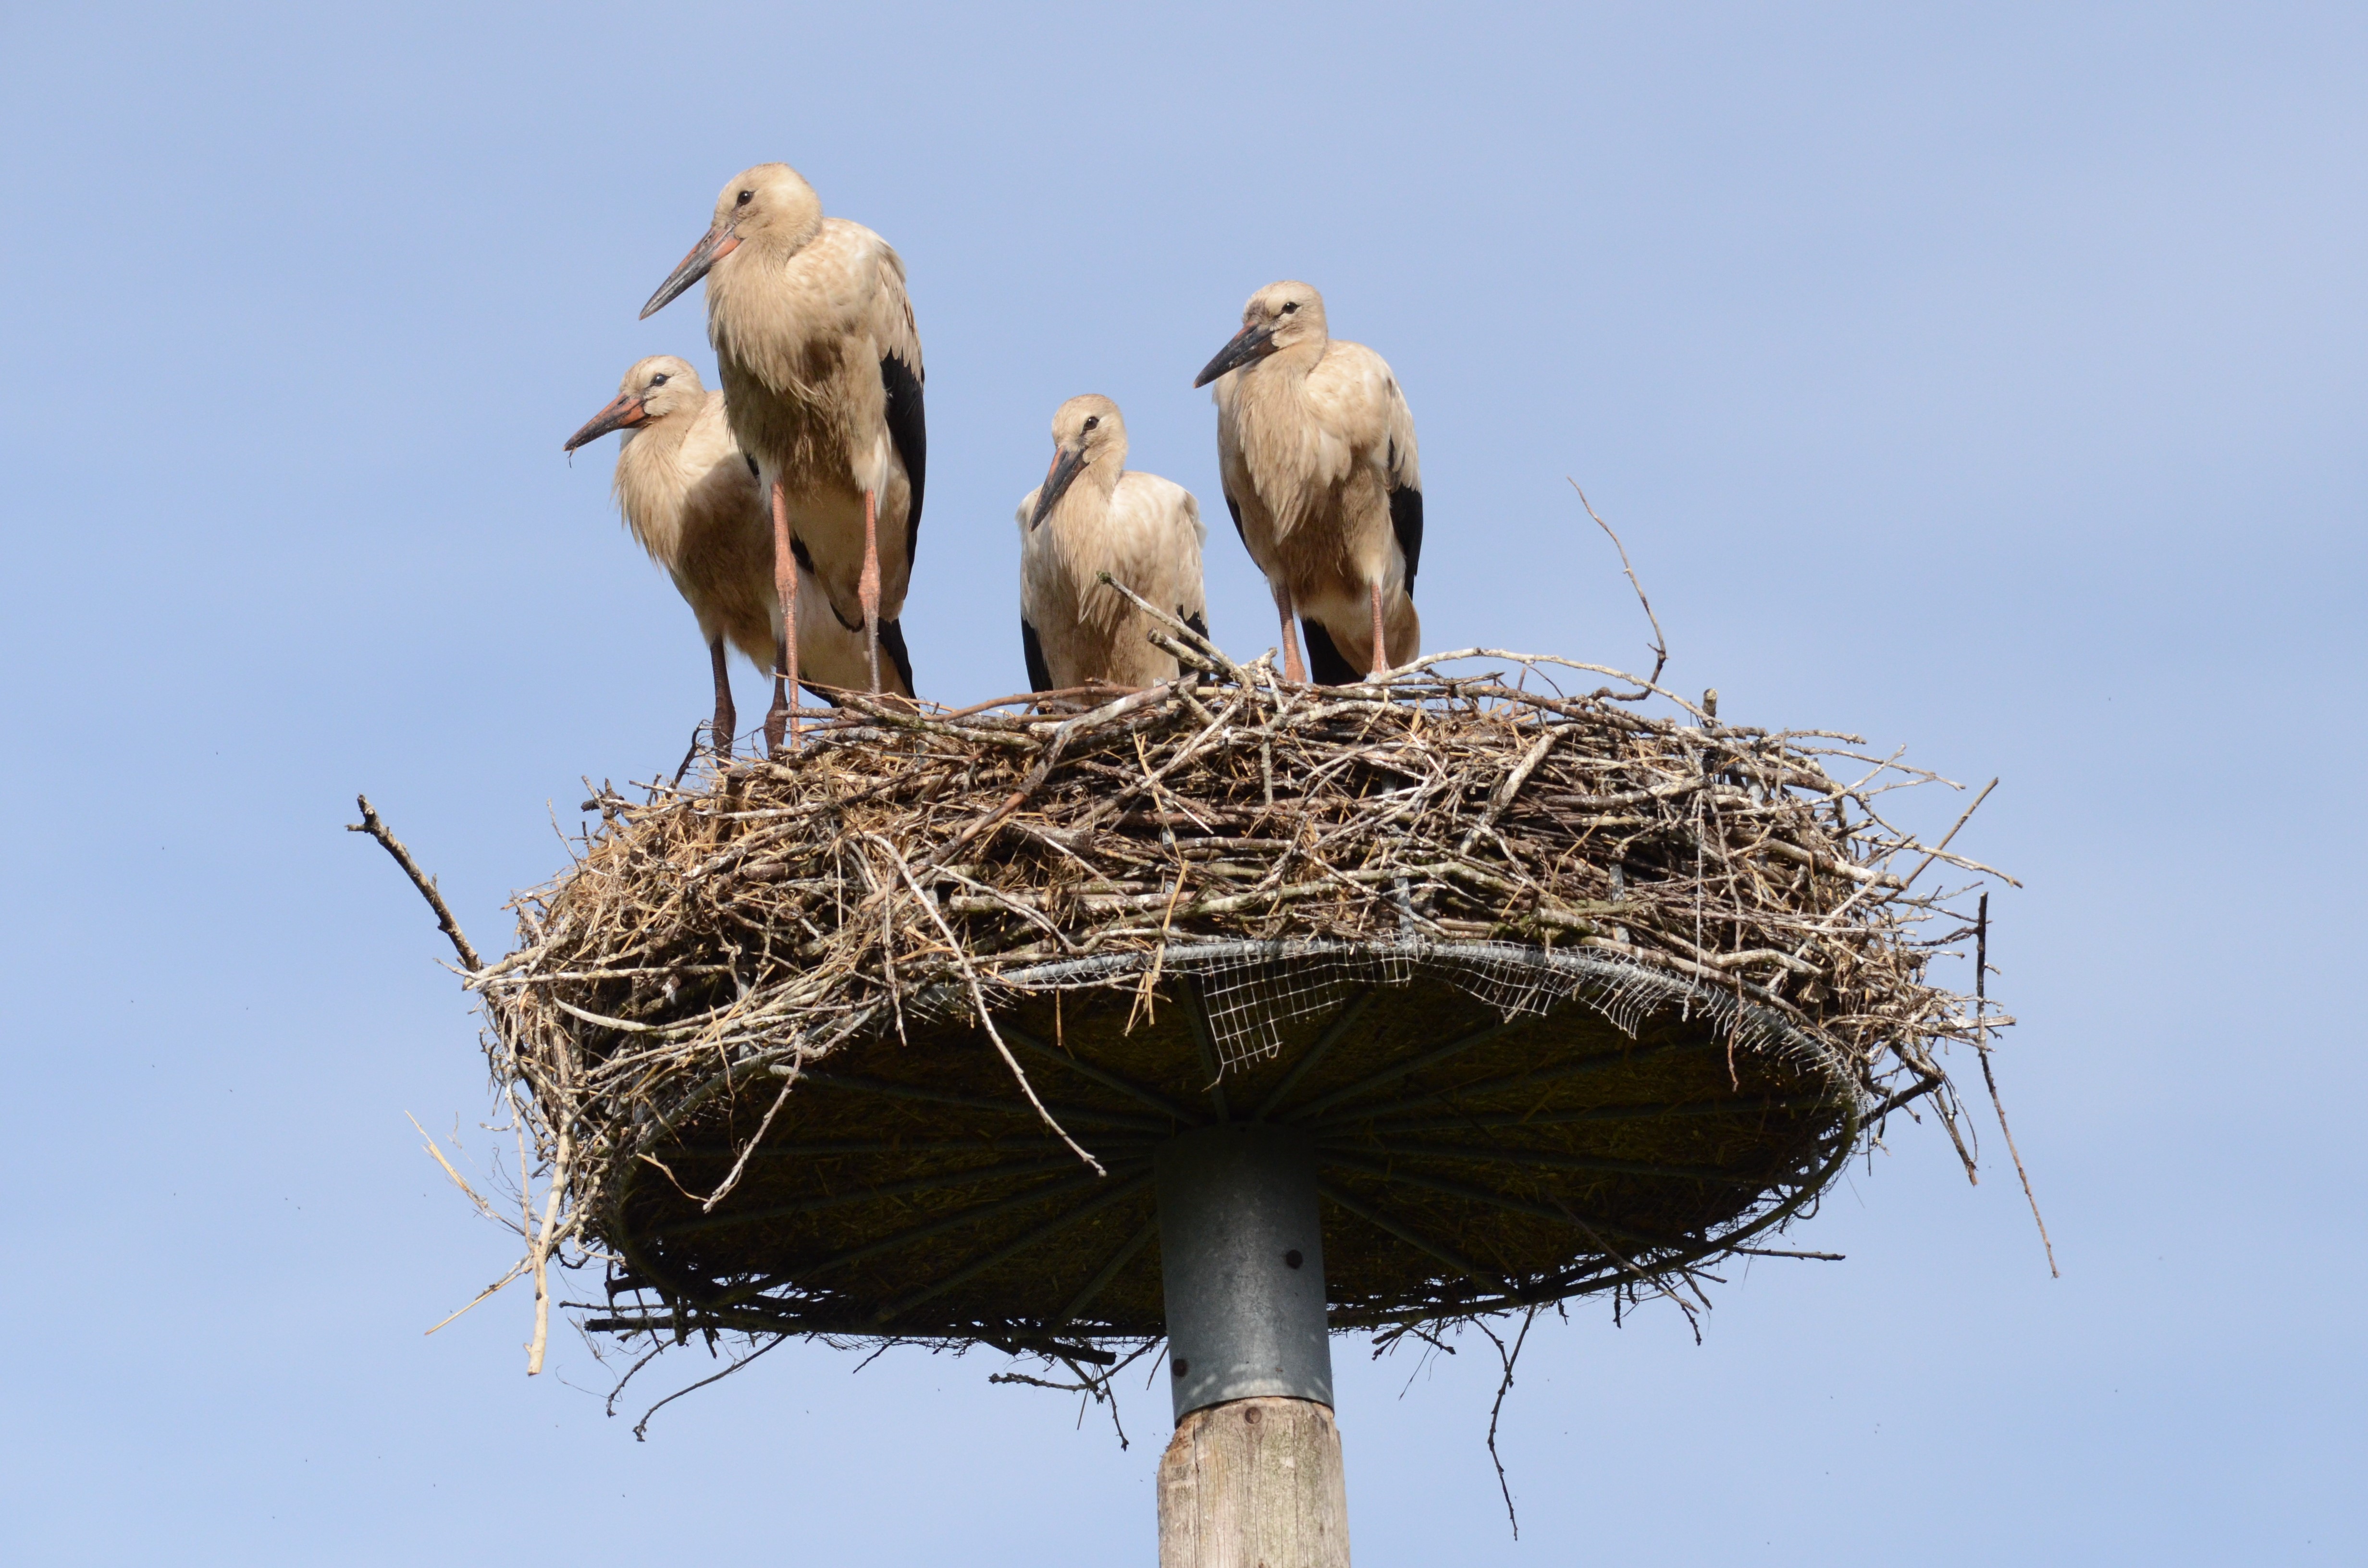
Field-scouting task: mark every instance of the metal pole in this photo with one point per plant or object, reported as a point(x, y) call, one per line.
point(1253, 1474)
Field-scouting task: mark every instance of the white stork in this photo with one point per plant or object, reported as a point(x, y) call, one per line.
point(690, 497)
point(1093, 515)
point(821, 375)
point(1316, 449)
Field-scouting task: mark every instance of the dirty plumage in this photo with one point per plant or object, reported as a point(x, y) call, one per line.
point(1093, 515)
point(1315, 447)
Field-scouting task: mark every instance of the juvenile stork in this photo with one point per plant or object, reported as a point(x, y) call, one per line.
point(689, 496)
point(1091, 515)
point(1316, 449)
point(822, 376)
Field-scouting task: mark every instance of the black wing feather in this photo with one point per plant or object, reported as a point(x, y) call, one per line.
point(908, 432)
point(1324, 660)
point(1406, 521)
point(1200, 626)
point(1236, 508)
point(1040, 676)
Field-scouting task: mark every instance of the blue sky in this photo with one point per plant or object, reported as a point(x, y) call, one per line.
point(1989, 383)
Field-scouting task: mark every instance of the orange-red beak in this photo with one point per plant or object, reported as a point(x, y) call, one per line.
point(621, 414)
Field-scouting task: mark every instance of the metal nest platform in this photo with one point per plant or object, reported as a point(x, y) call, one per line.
point(886, 1038)
point(1492, 1127)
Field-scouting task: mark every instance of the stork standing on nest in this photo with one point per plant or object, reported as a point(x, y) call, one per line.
point(822, 376)
point(690, 497)
point(1091, 515)
point(1316, 448)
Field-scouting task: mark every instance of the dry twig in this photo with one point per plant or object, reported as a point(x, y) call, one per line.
point(1660, 643)
point(734, 929)
point(419, 878)
point(1982, 1045)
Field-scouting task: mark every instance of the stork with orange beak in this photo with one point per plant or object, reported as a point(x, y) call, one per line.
point(821, 377)
point(1316, 449)
point(689, 496)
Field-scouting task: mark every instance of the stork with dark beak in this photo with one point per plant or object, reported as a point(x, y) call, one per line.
point(1316, 449)
point(1093, 515)
point(822, 376)
point(689, 496)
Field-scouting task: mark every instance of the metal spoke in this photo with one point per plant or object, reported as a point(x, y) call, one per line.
point(935, 1181)
point(950, 1222)
point(1559, 1288)
point(1602, 1113)
point(971, 1270)
point(1412, 1065)
point(1496, 1200)
point(1341, 1023)
point(1100, 1281)
point(1550, 1159)
point(1066, 1114)
point(1677, 1255)
point(742, 1320)
point(1603, 1063)
point(1378, 1220)
point(1197, 1019)
point(890, 1146)
point(1102, 1075)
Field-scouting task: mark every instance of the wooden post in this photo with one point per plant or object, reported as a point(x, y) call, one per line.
point(1252, 1478)
point(1254, 1483)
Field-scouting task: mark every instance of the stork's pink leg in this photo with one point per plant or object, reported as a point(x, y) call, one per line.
point(1381, 644)
point(727, 721)
point(1293, 670)
point(784, 717)
point(867, 586)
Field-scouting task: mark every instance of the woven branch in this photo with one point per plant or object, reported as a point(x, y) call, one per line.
point(901, 865)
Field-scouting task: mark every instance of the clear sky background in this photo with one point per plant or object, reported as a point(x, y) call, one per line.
point(1987, 380)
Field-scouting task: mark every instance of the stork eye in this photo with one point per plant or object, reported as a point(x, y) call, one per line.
point(1289, 306)
point(745, 197)
point(1096, 419)
point(659, 379)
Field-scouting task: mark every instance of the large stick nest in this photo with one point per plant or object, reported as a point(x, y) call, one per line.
point(724, 959)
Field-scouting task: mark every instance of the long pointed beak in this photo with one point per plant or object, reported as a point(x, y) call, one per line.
point(712, 247)
point(1066, 465)
point(1250, 343)
point(623, 414)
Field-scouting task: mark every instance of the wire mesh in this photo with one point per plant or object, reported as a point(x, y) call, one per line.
point(1253, 992)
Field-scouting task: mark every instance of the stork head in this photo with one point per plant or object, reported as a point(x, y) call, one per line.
point(1278, 316)
point(1087, 433)
point(653, 389)
point(771, 205)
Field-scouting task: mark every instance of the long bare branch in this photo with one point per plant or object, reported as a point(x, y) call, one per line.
point(371, 824)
